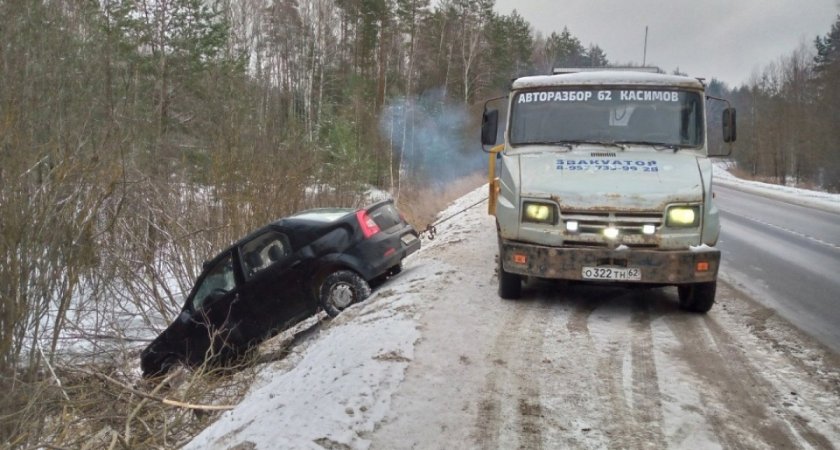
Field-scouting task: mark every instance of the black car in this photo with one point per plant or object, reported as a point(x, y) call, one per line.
point(280, 275)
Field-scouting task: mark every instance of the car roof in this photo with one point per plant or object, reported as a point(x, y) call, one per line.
point(305, 222)
point(321, 214)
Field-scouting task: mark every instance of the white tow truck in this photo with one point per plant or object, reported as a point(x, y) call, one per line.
point(604, 176)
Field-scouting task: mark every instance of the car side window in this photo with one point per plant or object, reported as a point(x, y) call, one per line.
point(263, 251)
point(219, 281)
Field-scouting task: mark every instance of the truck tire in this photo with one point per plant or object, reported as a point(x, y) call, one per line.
point(697, 297)
point(510, 284)
point(341, 289)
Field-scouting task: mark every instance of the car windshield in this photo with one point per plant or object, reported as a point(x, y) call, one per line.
point(218, 281)
point(670, 118)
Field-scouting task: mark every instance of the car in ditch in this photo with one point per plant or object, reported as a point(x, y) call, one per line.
point(279, 275)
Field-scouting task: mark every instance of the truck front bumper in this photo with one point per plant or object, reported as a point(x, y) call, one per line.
point(567, 263)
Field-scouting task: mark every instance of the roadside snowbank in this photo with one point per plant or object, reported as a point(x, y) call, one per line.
point(339, 384)
point(805, 197)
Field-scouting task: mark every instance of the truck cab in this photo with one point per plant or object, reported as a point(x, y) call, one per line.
point(605, 176)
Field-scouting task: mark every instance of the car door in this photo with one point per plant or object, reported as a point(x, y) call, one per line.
point(272, 295)
point(212, 309)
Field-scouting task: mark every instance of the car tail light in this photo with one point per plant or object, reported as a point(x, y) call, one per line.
point(369, 227)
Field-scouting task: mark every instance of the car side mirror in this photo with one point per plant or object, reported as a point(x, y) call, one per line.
point(729, 128)
point(489, 127)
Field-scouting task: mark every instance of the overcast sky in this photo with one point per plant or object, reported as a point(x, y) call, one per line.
point(722, 39)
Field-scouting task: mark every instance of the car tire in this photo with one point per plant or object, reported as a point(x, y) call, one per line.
point(510, 284)
point(697, 297)
point(341, 289)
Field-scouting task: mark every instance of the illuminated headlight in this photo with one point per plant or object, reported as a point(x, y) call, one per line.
point(539, 213)
point(572, 226)
point(683, 216)
point(611, 232)
point(648, 229)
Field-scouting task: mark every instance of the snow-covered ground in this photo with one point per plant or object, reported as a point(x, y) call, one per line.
point(434, 359)
point(805, 197)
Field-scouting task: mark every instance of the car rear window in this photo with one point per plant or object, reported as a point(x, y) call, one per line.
point(385, 216)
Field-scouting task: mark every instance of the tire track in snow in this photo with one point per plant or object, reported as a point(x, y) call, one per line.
point(727, 386)
point(624, 373)
point(625, 400)
point(510, 413)
point(647, 398)
point(489, 418)
point(763, 387)
point(630, 391)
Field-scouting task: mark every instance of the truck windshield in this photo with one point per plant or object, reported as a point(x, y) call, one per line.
point(669, 118)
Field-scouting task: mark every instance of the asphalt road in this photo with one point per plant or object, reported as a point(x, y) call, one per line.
point(787, 256)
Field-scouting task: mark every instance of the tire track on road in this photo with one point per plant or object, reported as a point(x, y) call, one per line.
point(625, 378)
point(728, 348)
point(647, 398)
point(734, 408)
point(510, 413)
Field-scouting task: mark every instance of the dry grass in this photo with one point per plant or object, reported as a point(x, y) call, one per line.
point(421, 204)
point(106, 405)
point(101, 407)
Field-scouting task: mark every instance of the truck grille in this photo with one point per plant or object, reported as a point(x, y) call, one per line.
point(592, 224)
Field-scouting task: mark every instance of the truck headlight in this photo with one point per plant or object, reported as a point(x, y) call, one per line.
point(683, 216)
point(539, 213)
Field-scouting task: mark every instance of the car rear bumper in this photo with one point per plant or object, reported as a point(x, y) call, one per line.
point(656, 266)
point(410, 241)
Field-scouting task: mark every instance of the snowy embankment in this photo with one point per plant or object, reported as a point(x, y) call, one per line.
point(434, 359)
point(804, 197)
point(337, 385)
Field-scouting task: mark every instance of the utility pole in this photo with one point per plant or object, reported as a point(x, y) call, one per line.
point(644, 58)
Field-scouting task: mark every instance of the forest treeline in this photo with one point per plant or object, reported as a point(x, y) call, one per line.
point(138, 137)
point(788, 115)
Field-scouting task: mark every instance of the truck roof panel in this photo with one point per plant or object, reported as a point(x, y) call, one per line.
point(607, 78)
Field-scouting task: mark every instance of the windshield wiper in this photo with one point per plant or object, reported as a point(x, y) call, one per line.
point(563, 143)
point(655, 145)
point(575, 142)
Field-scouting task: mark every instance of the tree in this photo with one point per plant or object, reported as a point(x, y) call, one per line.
point(827, 78)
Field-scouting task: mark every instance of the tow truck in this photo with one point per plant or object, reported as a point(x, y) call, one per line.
point(605, 176)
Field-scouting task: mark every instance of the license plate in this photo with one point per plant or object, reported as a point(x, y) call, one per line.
point(611, 273)
point(408, 239)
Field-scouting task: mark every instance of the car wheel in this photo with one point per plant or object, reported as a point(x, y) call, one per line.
point(341, 289)
point(697, 297)
point(510, 284)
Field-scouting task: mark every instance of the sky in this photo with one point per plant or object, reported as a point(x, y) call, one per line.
point(723, 39)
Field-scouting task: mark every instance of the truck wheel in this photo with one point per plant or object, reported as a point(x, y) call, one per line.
point(697, 297)
point(341, 289)
point(510, 284)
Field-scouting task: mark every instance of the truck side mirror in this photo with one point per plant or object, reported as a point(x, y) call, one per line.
point(489, 127)
point(729, 129)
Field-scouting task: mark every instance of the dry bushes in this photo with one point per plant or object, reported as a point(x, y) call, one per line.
point(111, 409)
point(421, 204)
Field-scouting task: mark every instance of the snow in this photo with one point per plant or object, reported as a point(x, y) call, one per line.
point(338, 389)
point(341, 388)
point(816, 199)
